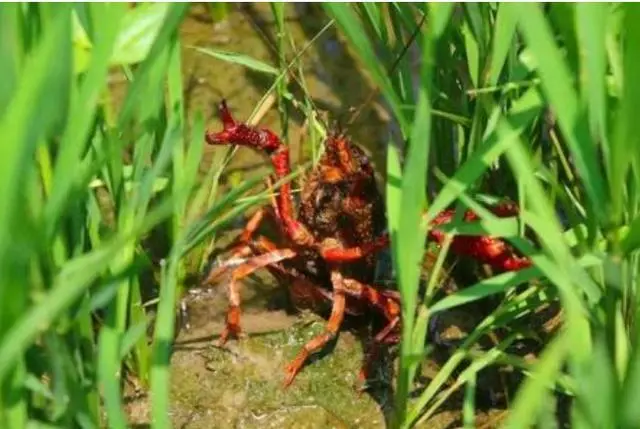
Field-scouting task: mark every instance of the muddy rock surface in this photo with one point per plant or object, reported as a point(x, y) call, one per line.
point(240, 385)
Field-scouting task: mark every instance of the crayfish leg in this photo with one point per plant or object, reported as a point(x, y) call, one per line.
point(341, 254)
point(232, 326)
point(331, 330)
point(371, 357)
point(252, 226)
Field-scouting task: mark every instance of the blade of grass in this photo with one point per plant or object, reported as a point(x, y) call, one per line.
point(278, 12)
point(459, 355)
point(349, 23)
point(239, 59)
point(37, 82)
point(163, 337)
point(11, 52)
point(525, 110)
point(469, 403)
point(173, 18)
point(484, 288)
point(625, 139)
point(505, 29)
point(591, 25)
point(558, 87)
point(138, 30)
point(530, 396)
point(469, 373)
point(38, 99)
point(109, 369)
point(82, 110)
point(74, 278)
point(410, 245)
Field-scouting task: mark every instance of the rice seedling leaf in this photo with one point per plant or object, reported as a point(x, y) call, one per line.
point(523, 112)
point(472, 51)
point(591, 20)
point(109, 380)
point(458, 356)
point(140, 26)
point(505, 29)
point(349, 23)
point(402, 74)
point(239, 59)
point(39, 100)
point(496, 227)
point(410, 244)
point(628, 411)
point(103, 294)
point(531, 395)
point(562, 19)
point(375, 18)
point(476, 16)
point(36, 424)
point(73, 279)
point(484, 288)
point(82, 113)
point(393, 192)
point(172, 20)
point(573, 283)
point(411, 234)
point(631, 240)
point(133, 334)
point(469, 403)
point(469, 373)
point(614, 50)
point(10, 52)
point(194, 233)
point(558, 86)
point(145, 188)
point(81, 46)
point(597, 386)
point(163, 337)
point(626, 140)
point(194, 153)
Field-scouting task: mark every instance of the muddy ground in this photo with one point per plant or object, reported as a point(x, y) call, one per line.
point(241, 386)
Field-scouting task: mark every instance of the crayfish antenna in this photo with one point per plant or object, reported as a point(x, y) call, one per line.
point(225, 115)
point(337, 127)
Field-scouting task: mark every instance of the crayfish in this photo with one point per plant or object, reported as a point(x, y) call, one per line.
point(331, 240)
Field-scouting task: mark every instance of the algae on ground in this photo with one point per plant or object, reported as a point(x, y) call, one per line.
point(241, 385)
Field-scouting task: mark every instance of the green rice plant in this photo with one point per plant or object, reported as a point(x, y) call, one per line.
point(84, 187)
point(281, 88)
point(546, 98)
point(78, 267)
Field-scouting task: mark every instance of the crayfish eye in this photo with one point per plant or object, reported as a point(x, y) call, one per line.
point(322, 197)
